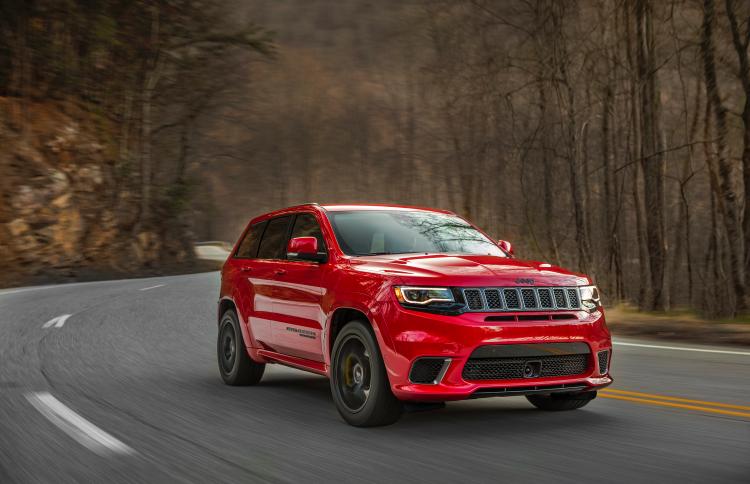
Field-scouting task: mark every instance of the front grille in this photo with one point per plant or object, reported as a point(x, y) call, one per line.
point(573, 297)
point(521, 298)
point(426, 370)
point(513, 368)
point(560, 299)
point(473, 299)
point(529, 298)
point(511, 299)
point(603, 362)
point(545, 298)
point(492, 296)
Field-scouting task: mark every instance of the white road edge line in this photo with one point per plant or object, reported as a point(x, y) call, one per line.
point(57, 322)
point(151, 287)
point(682, 348)
point(77, 427)
point(17, 290)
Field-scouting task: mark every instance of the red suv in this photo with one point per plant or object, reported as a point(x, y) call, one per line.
point(399, 304)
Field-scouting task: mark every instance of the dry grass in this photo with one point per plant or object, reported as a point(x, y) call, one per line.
point(678, 324)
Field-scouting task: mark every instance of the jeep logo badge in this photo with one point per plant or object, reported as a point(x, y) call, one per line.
point(521, 280)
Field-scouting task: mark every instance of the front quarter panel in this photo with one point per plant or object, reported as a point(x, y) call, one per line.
point(361, 291)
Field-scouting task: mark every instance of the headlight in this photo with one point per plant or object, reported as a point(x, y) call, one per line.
point(423, 295)
point(590, 298)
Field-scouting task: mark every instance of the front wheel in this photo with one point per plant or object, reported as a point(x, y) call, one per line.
point(359, 382)
point(561, 401)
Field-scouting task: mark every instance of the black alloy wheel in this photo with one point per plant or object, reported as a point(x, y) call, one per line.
point(228, 347)
point(359, 381)
point(353, 371)
point(235, 365)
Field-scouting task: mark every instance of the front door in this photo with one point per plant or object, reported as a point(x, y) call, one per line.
point(299, 293)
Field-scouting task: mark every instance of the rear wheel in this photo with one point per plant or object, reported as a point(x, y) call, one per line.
point(235, 365)
point(561, 401)
point(359, 382)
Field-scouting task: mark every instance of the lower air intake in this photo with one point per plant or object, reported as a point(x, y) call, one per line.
point(518, 361)
point(426, 370)
point(518, 368)
point(603, 357)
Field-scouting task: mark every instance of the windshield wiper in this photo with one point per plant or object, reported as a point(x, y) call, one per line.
point(388, 253)
point(378, 253)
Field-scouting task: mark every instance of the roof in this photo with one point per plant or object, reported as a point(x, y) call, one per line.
point(346, 208)
point(356, 207)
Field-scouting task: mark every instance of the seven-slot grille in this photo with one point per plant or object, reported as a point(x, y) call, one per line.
point(521, 298)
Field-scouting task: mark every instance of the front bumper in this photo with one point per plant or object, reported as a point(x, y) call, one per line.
point(416, 334)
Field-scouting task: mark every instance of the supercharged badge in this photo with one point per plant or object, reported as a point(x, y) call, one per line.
point(302, 332)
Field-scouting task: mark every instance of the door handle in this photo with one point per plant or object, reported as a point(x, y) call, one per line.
point(280, 272)
point(246, 269)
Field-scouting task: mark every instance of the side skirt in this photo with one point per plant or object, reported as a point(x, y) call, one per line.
point(317, 367)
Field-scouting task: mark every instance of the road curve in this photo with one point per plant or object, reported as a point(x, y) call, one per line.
point(126, 389)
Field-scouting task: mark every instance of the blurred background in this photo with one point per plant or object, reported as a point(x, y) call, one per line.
point(610, 136)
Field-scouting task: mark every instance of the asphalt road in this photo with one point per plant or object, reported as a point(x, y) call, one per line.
point(126, 390)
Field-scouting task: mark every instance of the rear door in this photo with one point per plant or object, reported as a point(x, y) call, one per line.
point(238, 272)
point(262, 277)
point(300, 317)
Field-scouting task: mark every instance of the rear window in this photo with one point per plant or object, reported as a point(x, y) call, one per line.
point(248, 248)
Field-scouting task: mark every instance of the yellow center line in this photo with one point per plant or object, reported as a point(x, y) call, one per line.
point(679, 405)
point(672, 399)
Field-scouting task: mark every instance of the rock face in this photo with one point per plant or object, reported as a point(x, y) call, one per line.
point(62, 210)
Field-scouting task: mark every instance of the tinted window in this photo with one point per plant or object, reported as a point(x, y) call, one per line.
point(405, 232)
point(306, 225)
point(273, 244)
point(249, 246)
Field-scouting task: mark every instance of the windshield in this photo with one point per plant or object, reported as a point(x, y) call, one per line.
point(408, 232)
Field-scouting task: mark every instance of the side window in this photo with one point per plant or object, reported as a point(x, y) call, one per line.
point(306, 225)
point(249, 246)
point(273, 243)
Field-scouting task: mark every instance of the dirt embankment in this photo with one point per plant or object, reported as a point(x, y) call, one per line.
point(65, 208)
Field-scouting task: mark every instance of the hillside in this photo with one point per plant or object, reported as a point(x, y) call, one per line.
point(62, 213)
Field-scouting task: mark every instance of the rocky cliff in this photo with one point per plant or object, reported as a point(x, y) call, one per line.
point(64, 212)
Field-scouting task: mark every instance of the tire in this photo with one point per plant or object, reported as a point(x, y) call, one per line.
point(561, 401)
point(235, 365)
point(359, 381)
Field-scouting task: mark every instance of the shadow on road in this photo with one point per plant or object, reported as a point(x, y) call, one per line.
point(308, 398)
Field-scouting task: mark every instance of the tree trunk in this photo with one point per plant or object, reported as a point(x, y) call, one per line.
point(730, 207)
point(740, 43)
point(651, 155)
point(151, 79)
point(548, 174)
point(567, 103)
point(633, 152)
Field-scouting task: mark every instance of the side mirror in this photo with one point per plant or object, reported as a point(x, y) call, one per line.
point(506, 246)
point(304, 248)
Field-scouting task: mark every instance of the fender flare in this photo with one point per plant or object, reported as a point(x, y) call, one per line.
point(379, 327)
point(247, 336)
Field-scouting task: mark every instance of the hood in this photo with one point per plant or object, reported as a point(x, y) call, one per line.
point(467, 270)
